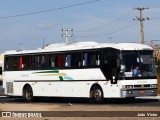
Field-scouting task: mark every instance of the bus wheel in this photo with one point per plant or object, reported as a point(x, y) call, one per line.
point(28, 94)
point(97, 94)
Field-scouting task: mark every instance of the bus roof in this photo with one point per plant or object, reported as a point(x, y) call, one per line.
point(82, 46)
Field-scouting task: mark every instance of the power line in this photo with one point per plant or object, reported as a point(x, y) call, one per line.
point(111, 32)
point(123, 18)
point(118, 26)
point(49, 10)
point(112, 28)
point(155, 18)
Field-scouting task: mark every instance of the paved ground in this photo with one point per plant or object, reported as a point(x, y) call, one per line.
point(72, 104)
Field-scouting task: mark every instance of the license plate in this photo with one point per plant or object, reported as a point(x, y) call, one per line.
point(141, 91)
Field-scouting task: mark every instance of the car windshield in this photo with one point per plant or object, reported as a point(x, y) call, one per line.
point(137, 64)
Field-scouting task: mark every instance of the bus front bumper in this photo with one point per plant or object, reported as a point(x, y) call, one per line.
point(1, 91)
point(138, 92)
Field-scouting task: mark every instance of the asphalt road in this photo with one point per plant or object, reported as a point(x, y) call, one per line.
point(79, 104)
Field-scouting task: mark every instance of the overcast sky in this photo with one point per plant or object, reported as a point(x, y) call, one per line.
point(99, 21)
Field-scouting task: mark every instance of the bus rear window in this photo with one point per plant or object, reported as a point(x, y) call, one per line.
point(11, 63)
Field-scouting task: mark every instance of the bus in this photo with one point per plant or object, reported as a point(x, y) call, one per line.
point(82, 70)
point(1, 62)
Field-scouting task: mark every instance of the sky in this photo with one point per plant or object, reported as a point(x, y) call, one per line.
point(109, 21)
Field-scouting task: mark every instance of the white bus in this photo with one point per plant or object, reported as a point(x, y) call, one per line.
point(85, 69)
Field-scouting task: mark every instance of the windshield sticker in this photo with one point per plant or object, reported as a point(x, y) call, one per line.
point(128, 74)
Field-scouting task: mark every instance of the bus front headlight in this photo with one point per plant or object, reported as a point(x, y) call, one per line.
point(153, 85)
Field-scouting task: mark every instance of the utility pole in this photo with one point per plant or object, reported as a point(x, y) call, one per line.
point(141, 19)
point(68, 32)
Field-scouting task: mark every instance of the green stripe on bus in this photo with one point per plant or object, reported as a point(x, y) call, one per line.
point(50, 71)
point(60, 77)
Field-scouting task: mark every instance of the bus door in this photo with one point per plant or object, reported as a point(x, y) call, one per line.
point(111, 64)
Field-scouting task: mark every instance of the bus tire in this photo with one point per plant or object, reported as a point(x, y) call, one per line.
point(97, 95)
point(28, 94)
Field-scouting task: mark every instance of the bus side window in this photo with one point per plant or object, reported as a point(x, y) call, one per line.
point(68, 60)
point(52, 61)
point(36, 62)
point(20, 62)
point(92, 59)
point(25, 62)
point(6, 64)
point(60, 60)
point(73, 60)
point(85, 59)
point(44, 62)
point(98, 59)
point(31, 62)
point(12, 63)
point(76, 60)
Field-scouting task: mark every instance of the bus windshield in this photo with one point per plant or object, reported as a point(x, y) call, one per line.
point(137, 64)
